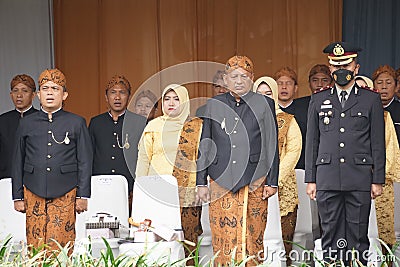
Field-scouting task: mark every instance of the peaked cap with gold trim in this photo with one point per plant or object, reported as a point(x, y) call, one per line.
point(341, 53)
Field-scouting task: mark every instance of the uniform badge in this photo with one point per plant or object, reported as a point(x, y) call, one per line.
point(326, 120)
point(326, 104)
point(338, 50)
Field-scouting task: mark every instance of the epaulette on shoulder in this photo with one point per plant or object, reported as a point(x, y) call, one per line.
point(369, 89)
point(322, 89)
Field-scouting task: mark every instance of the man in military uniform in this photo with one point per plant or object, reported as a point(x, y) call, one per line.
point(22, 94)
point(345, 156)
point(115, 134)
point(52, 166)
point(242, 162)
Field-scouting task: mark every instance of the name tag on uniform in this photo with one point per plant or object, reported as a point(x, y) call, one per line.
point(326, 106)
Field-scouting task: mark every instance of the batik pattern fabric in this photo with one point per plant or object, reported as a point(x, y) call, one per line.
point(288, 224)
point(384, 204)
point(289, 144)
point(50, 219)
point(185, 173)
point(237, 222)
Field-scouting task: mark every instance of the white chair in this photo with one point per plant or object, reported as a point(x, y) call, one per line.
point(156, 198)
point(109, 194)
point(273, 243)
point(11, 222)
point(205, 250)
point(373, 235)
point(303, 233)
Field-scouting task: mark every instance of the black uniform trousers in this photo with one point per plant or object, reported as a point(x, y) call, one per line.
point(344, 219)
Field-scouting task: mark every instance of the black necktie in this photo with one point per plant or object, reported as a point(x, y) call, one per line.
point(343, 95)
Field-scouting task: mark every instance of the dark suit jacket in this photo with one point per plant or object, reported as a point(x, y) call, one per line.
point(9, 123)
point(47, 168)
point(108, 157)
point(299, 109)
point(345, 148)
point(238, 143)
point(394, 110)
point(200, 112)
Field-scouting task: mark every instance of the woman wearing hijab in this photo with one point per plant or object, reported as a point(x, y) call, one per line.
point(364, 81)
point(289, 143)
point(169, 145)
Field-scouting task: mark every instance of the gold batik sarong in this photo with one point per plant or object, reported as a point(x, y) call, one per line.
point(287, 193)
point(237, 220)
point(185, 173)
point(384, 204)
point(48, 219)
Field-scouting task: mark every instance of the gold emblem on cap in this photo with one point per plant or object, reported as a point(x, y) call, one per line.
point(338, 50)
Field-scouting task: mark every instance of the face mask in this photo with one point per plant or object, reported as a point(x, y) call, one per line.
point(342, 76)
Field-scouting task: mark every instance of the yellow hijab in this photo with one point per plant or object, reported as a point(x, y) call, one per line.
point(274, 88)
point(167, 123)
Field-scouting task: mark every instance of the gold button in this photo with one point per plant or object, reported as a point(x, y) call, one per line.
point(112, 171)
point(342, 130)
point(48, 156)
point(49, 144)
point(234, 162)
point(364, 160)
point(237, 104)
point(322, 160)
point(342, 115)
point(113, 145)
point(234, 132)
point(234, 146)
point(48, 169)
point(112, 157)
point(49, 132)
point(115, 133)
point(359, 113)
point(341, 144)
point(342, 160)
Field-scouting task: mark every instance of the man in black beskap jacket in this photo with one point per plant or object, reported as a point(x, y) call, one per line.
point(115, 134)
point(22, 94)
